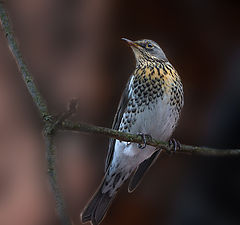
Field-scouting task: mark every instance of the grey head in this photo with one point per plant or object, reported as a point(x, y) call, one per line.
point(146, 49)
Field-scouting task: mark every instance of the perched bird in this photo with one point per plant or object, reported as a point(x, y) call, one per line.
point(150, 105)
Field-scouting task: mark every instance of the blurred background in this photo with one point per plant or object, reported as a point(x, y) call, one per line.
point(73, 49)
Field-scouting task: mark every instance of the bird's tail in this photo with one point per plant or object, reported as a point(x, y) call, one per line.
point(97, 207)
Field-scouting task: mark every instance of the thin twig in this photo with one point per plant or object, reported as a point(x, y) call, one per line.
point(49, 121)
point(72, 108)
point(195, 150)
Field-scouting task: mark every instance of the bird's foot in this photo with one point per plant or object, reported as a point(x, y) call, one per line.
point(144, 139)
point(173, 145)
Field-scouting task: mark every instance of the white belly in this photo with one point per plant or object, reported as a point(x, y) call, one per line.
point(158, 121)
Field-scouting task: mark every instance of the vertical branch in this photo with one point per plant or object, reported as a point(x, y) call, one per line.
point(51, 159)
point(43, 110)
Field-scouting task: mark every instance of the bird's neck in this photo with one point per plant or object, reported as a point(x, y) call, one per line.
point(155, 69)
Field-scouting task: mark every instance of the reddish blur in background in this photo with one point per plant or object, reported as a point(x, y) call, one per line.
point(73, 49)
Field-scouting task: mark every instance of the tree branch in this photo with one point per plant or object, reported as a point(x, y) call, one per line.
point(37, 98)
point(50, 123)
point(186, 149)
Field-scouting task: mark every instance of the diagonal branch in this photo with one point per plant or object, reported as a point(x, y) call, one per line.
point(49, 121)
point(195, 150)
point(28, 79)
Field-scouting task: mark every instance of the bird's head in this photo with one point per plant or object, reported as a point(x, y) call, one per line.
point(146, 50)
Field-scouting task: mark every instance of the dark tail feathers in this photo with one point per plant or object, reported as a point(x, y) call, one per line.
point(97, 208)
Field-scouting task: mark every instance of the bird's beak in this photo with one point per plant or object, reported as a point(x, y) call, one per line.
point(131, 43)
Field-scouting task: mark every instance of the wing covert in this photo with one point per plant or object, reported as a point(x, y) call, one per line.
point(117, 120)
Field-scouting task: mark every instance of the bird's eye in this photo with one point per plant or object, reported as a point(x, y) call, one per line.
point(149, 45)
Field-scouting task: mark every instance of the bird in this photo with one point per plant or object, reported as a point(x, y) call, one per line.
point(150, 106)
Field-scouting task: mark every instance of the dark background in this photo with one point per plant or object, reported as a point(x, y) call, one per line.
point(73, 49)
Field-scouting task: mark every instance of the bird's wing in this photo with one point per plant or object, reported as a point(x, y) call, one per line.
point(117, 120)
point(141, 171)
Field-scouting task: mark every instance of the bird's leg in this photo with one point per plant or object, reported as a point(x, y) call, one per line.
point(173, 145)
point(144, 139)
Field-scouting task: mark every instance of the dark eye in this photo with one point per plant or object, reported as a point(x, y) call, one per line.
point(149, 45)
